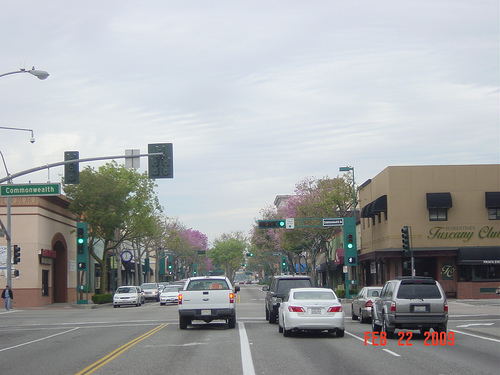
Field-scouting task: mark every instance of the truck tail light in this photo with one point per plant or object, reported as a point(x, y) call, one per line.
point(297, 309)
point(180, 299)
point(393, 306)
point(231, 297)
point(335, 309)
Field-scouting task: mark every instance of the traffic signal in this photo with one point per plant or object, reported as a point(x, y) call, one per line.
point(81, 265)
point(71, 170)
point(350, 243)
point(160, 166)
point(351, 261)
point(272, 223)
point(405, 239)
point(17, 254)
point(81, 238)
point(170, 264)
point(249, 254)
point(284, 267)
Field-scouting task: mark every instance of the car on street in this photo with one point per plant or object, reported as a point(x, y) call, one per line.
point(361, 305)
point(410, 302)
point(279, 288)
point(311, 309)
point(170, 294)
point(151, 291)
point(127, 295)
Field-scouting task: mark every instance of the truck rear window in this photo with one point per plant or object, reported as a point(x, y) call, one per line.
point(284, 286)
point(208, 285)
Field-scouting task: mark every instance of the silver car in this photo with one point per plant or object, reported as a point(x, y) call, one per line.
point(128, 295)
point(151, 291)
point(361, 305)
point(410, 302)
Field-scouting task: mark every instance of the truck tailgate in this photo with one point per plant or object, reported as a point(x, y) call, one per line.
point(198, 299)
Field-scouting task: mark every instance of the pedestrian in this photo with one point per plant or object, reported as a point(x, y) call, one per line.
point(7, 295)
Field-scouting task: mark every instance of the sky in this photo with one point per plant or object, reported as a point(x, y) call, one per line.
point(254, 95)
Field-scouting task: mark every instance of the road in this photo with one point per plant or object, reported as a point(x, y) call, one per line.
point(62, 339)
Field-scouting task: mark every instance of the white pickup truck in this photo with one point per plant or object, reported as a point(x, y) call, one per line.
point(207, 298)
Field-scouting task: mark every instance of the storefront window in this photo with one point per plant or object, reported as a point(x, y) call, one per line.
point(486, 273)
point(438, 214)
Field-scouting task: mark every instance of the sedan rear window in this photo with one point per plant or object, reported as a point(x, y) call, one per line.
point(424, 291)
point(313, 295)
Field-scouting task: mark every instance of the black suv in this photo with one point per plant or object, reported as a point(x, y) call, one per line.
point(410, 302)
point(280, 286)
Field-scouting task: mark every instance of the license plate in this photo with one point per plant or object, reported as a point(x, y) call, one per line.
point(315, 310)
point(419, 309)
point(206, 312)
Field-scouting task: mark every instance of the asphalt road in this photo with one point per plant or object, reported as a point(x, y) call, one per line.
point(64, 339)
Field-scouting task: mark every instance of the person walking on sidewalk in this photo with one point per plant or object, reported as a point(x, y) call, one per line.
point(7, 295)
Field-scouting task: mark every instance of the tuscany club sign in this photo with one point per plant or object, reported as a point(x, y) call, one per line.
point(464, 233)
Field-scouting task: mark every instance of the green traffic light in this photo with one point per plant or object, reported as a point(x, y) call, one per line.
point(349, 245)
point(80, 240)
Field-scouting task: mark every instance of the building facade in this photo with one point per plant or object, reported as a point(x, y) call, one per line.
point(43, 228)
point(453, 212)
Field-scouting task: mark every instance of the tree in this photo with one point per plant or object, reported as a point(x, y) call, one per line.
point(118, 204)
point(227, 252)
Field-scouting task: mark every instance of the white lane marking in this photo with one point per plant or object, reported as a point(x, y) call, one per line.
point(475, 324)
point(391, 352)
point(246, 354)
point(477, 336)
point(41, 339)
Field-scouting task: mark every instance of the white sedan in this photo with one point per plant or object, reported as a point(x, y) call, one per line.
point(311, 309)
point(170, 294)
point(128, 295)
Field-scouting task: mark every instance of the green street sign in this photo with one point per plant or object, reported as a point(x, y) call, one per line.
point(14, 190)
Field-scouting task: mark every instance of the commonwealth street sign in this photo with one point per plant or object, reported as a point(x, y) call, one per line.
point(14, 190)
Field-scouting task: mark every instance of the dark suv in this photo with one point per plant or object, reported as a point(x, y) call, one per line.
point(279, 288)
point(410, 302)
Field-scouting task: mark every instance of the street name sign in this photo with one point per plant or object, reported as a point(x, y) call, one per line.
point(333, 222)
point(15, 190)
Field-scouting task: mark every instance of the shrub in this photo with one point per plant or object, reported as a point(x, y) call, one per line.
point(340, 293)
point(99, 299)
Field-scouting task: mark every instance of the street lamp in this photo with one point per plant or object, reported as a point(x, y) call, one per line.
point(40, 74)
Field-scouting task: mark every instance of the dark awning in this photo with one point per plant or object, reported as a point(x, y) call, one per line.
point(375, 208)
point(492, 199)
point(439, 200)
point(479, 256)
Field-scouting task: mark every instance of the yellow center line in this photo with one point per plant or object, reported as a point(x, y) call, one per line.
point(115, 353)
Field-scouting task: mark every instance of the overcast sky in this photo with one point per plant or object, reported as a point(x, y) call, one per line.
point(254, 95)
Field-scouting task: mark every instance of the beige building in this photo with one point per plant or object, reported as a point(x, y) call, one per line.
point(43, 228)
point(453, 212)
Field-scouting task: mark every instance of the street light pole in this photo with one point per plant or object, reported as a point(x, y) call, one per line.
point(40, 74)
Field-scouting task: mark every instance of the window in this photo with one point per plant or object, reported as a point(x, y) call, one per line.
point(438, 214)
point(494, 213)
point(45, 283)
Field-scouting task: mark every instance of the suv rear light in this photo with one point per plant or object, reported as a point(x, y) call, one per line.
point(369, 303)
point(334, 309)
point(297, 309)
point(445, 307)
point(393, 306)
point(180, 299)
point(231, 297)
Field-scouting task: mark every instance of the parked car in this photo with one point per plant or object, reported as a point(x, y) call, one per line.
point(410, 302)
point(311, 309)
point(170, 294)
point(151, 291)
point(127, 295)
point(361, 305)
point(279, 288)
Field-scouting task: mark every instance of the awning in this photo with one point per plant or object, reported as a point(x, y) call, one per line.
point(474, 256)
point(439, 200)
point(376, 207)
point(492, 199)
